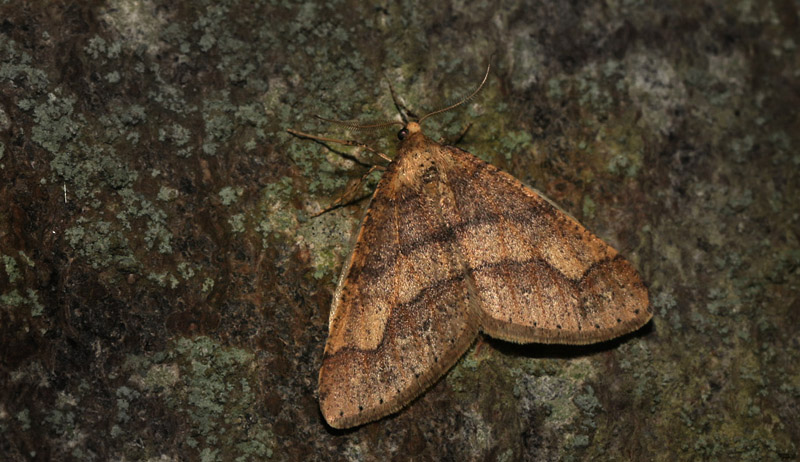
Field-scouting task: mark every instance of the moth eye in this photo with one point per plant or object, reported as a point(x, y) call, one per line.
point(402, 134)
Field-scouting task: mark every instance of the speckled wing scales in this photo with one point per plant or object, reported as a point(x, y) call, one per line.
point(404, 310)
point(540, 275)
point(451, 245)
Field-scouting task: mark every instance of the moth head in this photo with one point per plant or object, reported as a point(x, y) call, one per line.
point(409, 129)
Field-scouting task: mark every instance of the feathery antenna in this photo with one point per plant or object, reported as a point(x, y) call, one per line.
point(376, 125)
point(453, 106)
point(358, 126)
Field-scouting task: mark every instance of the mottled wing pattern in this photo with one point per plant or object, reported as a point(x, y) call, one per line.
point(405, 309)
point(540, 275)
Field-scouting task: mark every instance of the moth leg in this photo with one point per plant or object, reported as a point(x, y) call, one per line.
point(342, 142)
point(458, 138)
point(404, 111)
point(349, 195)
point(479, 345)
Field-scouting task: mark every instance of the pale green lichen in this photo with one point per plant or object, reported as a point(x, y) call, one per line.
point(170, 97)
point(55, 122)
point(330, 235)
point(237, 223)
point(26, 259)
point(164, 279)
point(275, 214)
point(12, 298)
point(229, 194)
point(162, 376)
point(208, 284)
point(175, 133)
point(112, 77)
point(11, 268)
point(186, 270)
point(62, 418)
point(166, 194)
point(98, 48)
point(15, 66)
point(24, 419)
point(210, 385)
point(156, 233)
point(515, 142)
point(124, 396)
point(100, 244)
point(37, 308)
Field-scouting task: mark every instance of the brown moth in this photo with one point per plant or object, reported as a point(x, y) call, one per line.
point(451, 246)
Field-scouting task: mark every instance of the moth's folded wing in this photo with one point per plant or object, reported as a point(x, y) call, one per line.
point(400, 317)
point(540, 275)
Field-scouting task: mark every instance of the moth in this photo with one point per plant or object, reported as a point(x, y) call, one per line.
point(451, 246)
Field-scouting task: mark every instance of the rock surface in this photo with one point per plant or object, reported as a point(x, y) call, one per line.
point(164, 289)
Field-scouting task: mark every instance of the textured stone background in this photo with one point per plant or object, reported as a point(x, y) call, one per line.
point(164, 292)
